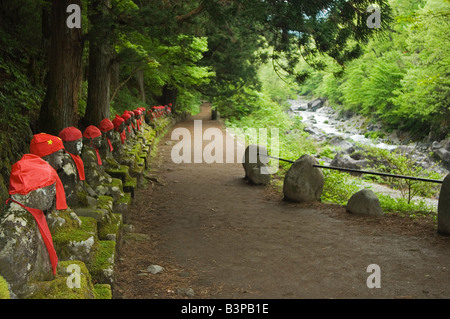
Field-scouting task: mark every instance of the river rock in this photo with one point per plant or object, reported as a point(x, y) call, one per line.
point(364, 202)
point(303, 183)
point(343, 144)
point(316, 104)
point(443, 153)
point(345, 161)
point(443, 216)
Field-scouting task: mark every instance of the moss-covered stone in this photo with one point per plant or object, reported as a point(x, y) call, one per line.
point(103, 291)
point(65, 285)
point(4, 291)
point(102, 269)
point(111, 230)
point(78, 243)
point(106, 202)
point(122, 204)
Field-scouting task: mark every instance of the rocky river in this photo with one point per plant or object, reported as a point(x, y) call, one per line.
point(346, 132)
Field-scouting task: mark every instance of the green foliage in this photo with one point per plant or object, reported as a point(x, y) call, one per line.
point(397, 162)
point(401, 205)
point(339, 187)
point(402, 78)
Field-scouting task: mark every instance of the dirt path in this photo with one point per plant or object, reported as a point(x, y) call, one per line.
point(222, 238)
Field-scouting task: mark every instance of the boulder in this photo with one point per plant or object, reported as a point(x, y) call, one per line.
point(443, 216)
point(255, 166)
point(364, 202)
point(443, 155)
point(303, 183)
point(345, 161)
point(345, 145)
point(316, 104)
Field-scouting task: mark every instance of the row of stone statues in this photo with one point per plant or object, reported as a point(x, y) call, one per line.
point(66, 180)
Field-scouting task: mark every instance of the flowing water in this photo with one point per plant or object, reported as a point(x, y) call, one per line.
point(324, 123)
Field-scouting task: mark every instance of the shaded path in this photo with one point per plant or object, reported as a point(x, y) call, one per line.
point(223, 238)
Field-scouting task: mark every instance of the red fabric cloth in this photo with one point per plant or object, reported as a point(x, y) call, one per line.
point(123, 137)
point(32, 172)
point(39, 217)
point(117, 122)
point(80, 166)
point(99, 159)
point(126, 116)
point(70, 134)
point(92, 132)
point(111, 148)
point(106, 125)
point(44, 144)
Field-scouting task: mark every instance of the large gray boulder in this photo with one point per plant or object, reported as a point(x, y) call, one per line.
point(444, 208)
point(346, 161)
point(364, 202)
point(255, 166)
point(303, 182)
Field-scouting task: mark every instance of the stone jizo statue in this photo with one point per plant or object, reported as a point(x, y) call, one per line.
point(26, 246)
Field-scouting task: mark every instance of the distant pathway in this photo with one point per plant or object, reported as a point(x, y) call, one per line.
point(218, 237)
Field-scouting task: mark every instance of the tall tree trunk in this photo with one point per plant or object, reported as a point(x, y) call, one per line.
point(140, 81)
point(170, 95)
point(100, 55)
point(60, 105)
point(114, 76)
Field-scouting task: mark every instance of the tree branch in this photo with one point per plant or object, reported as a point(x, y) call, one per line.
point(191, 14)
point(123, 83)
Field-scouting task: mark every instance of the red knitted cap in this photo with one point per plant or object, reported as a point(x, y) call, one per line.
point(106, 125)
point(70, 134)
point(44, 144)
point(92, 132)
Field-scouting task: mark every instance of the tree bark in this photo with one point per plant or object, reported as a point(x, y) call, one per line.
point(141, 87)
point(100, 55)
point(170, 95)
point(60, 105)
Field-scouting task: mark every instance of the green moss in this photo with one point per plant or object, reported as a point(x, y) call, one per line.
point(116, 182)
point(103, 291)
point(105, 202)
point(119, 172)
point(64, 238)
point(106, 230)
point(60, 287)
point(4, 292)
point(103, 264)
point(87, 229)
point(125, 199)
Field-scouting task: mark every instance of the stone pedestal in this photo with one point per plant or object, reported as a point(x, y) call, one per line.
point(444, 208)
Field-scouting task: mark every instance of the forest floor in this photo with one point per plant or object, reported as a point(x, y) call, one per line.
point(216, 236)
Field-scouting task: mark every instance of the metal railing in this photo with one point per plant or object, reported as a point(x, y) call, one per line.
point(420, 179)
